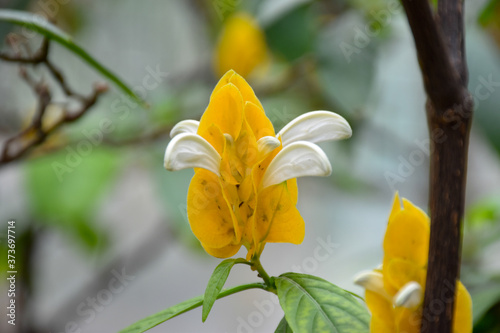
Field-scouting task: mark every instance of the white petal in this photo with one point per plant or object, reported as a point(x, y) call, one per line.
point(185, 126)
point(267, 144)
point(297, 160)
point(315, 126)
point(191, 151)
point(409, 296)
point(373, 281)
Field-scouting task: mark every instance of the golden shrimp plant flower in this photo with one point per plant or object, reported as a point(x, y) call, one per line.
point(244, 190)
point(394, 292)
point(241, 46)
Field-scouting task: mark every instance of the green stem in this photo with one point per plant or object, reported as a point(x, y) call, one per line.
point(237, 289)
point(263, 274)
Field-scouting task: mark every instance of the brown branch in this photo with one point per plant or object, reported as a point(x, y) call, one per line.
point(451, 20)
point(39, 57)
point(56, 73)
point(40, 133)
point(440, 48)
point(440, 77)
point(36, 134)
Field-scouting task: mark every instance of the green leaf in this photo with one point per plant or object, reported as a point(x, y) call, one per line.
point(283, 327)
point(294, 34)
point(312, 304)
point(487, 15)
point(489, 323)
point(162, 316)
point(42, 26)
point(483, 301)
point(484, 213)
point(216, 282)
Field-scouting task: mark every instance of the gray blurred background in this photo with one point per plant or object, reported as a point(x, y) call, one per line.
point(107, 242)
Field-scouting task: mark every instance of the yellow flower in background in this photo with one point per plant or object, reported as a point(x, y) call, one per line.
point(241, 46)
point(244, 190)
point(394, 292)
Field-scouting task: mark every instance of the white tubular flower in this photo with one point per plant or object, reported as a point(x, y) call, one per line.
point(300, 156)
point(185, 126)
point(315, 126)
point(409, 296)
point(297, 159)
point(373, 281)
point(191, 151)
point(266, 145)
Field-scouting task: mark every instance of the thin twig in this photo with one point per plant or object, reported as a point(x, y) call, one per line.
point(35, 134)
point(39, 57)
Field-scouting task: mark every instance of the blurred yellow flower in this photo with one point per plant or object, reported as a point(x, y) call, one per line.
point(241, 46)
point(394, 292)
point(244, 190)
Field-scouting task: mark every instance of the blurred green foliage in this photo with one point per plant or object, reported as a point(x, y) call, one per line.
point(489, 12)
point(482, 232)
point(293, 35)
point(66, 188)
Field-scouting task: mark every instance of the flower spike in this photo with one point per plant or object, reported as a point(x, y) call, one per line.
point(237, 157)
point(395, 291)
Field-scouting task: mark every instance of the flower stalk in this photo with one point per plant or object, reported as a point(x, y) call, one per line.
point(257, 266)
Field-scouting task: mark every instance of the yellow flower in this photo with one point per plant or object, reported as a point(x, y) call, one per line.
point(241, 46)
point(244, 190)
point(394, 292)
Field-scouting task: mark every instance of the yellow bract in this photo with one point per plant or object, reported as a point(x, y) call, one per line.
point(241, 46)
point(406, 245)
point(244, 189)
point(232, 209)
